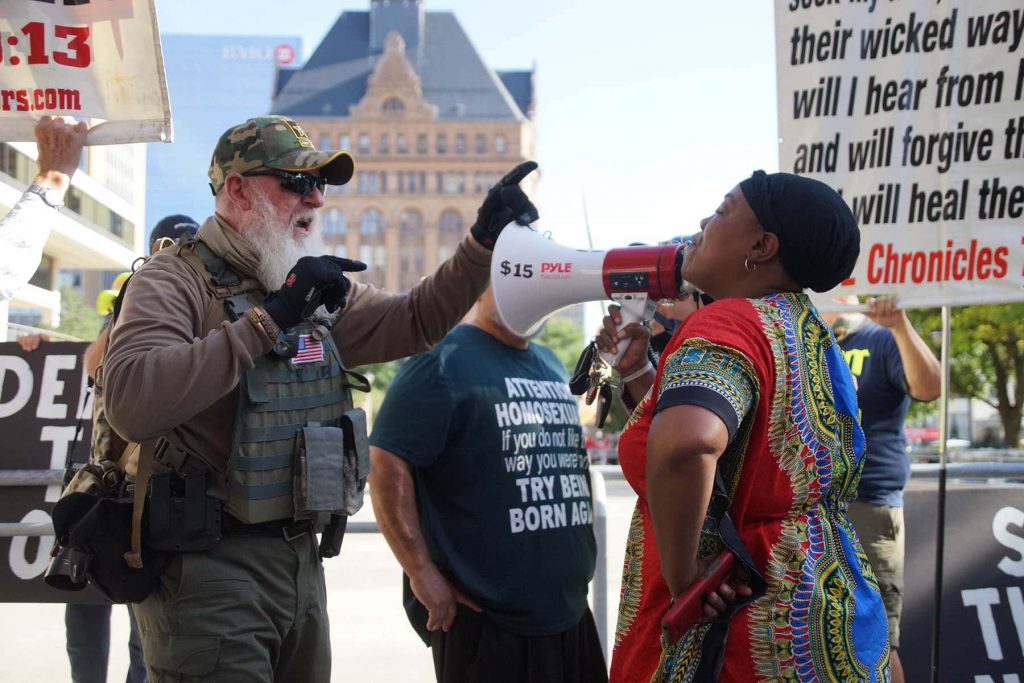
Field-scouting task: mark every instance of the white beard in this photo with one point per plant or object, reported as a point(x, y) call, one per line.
point(277, 249)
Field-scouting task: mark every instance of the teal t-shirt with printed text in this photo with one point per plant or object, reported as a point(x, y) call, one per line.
point(493, 437)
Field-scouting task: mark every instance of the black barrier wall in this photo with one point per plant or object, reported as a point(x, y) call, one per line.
point(982, 637)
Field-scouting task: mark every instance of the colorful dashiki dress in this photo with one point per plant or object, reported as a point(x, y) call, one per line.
point(791, 469)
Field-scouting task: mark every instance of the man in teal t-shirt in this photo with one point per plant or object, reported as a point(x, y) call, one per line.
point(480, 483)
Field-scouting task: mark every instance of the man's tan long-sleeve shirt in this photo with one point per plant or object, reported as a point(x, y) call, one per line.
point(173, 366)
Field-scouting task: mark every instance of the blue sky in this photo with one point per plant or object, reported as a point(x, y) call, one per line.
point(651, 110)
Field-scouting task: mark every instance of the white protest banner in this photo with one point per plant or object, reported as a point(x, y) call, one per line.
point(96, 59)
point(915, 111)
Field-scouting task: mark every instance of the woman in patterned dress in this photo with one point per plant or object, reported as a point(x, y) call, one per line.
point(752, 388)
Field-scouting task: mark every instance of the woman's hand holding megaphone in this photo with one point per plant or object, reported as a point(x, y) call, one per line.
point(634, 365)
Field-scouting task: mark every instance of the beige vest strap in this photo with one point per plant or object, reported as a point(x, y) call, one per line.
point(144, 457)
point(136, 459)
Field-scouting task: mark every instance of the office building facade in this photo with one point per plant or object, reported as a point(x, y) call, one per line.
point(430, 125)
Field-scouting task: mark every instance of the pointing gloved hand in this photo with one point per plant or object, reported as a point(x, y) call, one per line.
point(312, 282)
point(504, 203)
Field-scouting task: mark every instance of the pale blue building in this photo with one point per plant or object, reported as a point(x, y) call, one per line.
point(214, 82)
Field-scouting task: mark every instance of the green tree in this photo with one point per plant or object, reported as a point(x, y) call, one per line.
point(380, 376)
point(565, 338)
point(76, 319)
point(987, 359)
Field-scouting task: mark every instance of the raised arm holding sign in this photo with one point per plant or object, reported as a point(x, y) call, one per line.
point(24, 229)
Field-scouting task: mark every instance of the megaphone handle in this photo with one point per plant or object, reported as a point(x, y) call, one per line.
point(634, 308)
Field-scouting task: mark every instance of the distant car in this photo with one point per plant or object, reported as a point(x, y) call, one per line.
point(921, 434)
point(929, 452)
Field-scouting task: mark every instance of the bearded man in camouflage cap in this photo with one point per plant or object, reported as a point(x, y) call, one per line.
point(229, 358)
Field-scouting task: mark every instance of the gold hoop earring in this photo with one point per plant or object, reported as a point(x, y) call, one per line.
point(747, 266)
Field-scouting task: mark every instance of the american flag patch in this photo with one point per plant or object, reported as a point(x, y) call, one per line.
point(310, 350)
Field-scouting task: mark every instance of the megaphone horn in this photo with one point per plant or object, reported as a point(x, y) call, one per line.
point(533, 277)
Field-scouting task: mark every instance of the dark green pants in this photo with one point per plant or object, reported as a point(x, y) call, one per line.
point(252, 609)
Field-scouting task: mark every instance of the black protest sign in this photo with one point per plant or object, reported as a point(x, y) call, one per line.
point(982, 628)
point(44, 403)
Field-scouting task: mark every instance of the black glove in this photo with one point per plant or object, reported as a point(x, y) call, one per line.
point(312, 282)
point(504, 203)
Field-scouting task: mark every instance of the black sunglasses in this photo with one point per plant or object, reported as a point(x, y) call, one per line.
point(300, 183)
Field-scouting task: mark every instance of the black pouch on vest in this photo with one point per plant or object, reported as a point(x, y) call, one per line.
point(181, 517)
point(319, 473)
point(97, 532)
point(357, 459)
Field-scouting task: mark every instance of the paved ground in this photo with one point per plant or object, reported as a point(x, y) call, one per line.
point(371, 639)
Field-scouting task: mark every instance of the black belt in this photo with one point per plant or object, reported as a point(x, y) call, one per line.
point(279, 528)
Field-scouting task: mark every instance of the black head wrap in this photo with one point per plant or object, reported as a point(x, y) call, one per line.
point(819, 240)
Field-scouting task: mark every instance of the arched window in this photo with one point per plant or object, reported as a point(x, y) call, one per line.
point(411, 223)
point(372, 249)
point(393, 107)
point(371, 223)
point(451, 221)
point(334, 222)
point(500, 144)
point(372, 246)
point(411, 259)
point(449, 235)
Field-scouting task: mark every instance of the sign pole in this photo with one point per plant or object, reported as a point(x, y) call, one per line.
point(940, 535)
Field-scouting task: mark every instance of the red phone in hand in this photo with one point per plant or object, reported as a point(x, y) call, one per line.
point(689, 606)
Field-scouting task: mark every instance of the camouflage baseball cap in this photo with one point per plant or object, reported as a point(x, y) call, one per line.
point(275, 142)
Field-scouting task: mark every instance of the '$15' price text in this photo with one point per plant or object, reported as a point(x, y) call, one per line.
point(517, 269)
